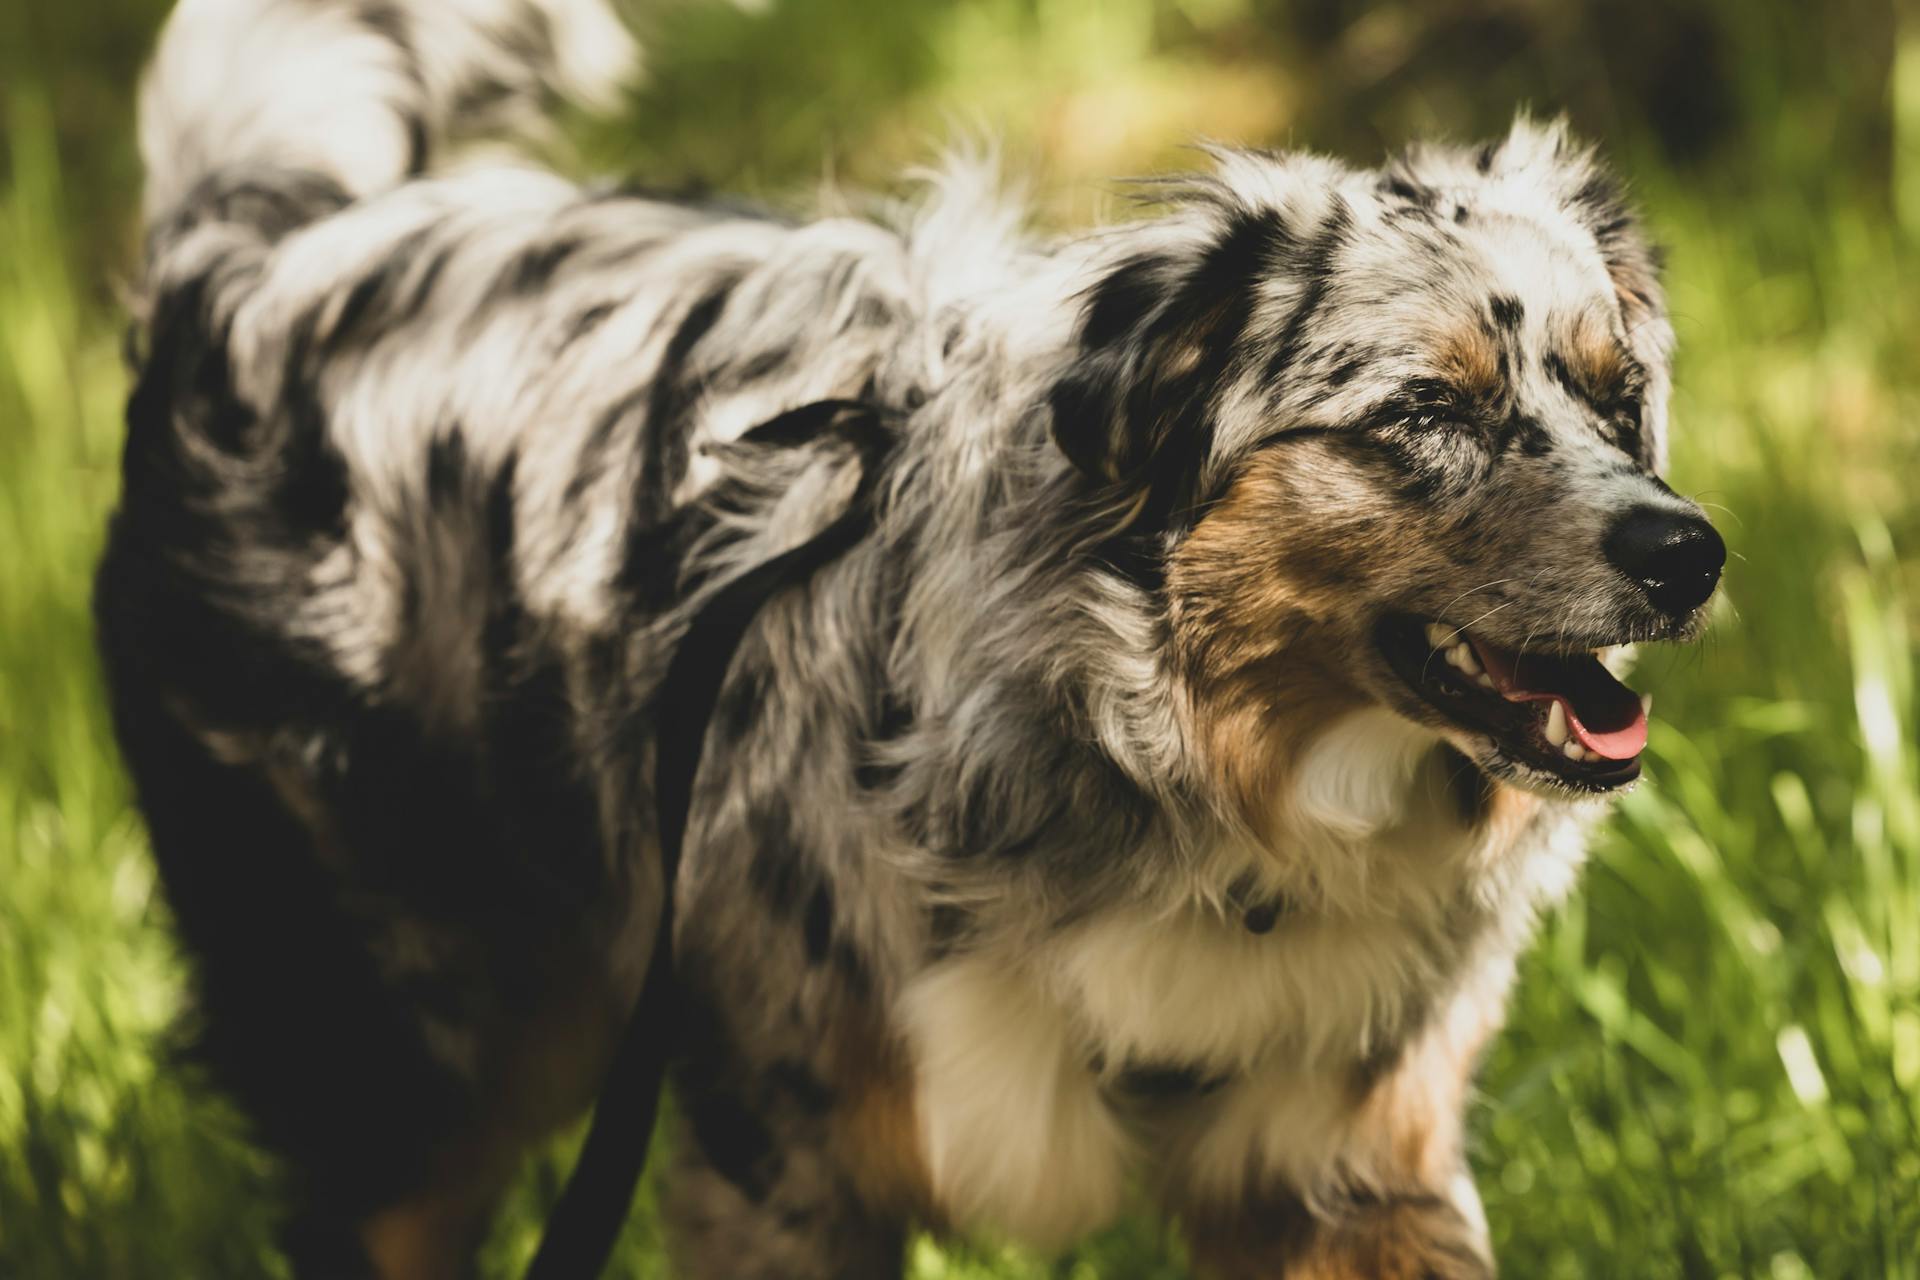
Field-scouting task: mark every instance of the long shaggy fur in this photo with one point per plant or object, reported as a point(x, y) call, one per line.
point(1068, 840)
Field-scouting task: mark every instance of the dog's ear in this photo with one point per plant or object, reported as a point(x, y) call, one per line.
point(1156, 338)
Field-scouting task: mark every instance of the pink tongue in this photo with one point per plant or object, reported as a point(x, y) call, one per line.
point(1604, 715)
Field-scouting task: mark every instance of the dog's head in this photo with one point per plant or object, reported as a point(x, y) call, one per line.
point(1396, 437)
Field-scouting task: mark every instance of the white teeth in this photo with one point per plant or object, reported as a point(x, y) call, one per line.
point(1646, 704)
point(1446, 641)
point(1574, 751)
point(1557, 725)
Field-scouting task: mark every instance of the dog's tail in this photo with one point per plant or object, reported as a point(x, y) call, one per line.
point(252, 98)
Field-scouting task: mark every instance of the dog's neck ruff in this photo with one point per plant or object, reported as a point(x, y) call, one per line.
point(1044, 1079)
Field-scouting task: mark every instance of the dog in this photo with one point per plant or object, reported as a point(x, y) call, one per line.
point(1149, 809)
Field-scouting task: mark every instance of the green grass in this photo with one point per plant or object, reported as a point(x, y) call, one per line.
point(1713, 1062)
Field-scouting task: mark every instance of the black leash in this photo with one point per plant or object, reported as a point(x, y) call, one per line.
point(583, 1226)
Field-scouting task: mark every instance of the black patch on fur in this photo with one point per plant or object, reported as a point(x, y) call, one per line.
point(410, 307)
point(850, 966)
point(533, 270)
point(664, 444)
point(734, 1141)
point(272, 202)
point(1507, 312)
point(1602, 204)
point(1344, 371)
point(584, 323)
point(381, 301)
point(363, 313)
point(762, 364)
point(1314, 263)
point(1122, 300)
point(1621, 407)
point(385, 20)
point(896, 721)
point(1523, 432)
point(816, 926)
point(417, 143)
point(447, 467)
point(794, 1079)
point(597, 449)
point(1139, 558)
point(872, 312)
point(1562, 375)
point(742, 701)
point(947, 925)
point(1158, 344)
point(777, 871)
point(1401, 188)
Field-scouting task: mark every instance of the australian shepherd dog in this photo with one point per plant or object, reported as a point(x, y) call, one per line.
point(1148, 811)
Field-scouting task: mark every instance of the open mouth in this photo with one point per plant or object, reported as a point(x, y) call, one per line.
point(1555, 713)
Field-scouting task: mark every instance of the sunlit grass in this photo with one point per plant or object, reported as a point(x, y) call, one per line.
point(1713, 1062)
point(104, 1150)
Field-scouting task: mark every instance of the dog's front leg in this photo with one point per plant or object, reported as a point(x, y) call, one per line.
point(1406, 1236)
point(755, 1196)
point(1349, 1175)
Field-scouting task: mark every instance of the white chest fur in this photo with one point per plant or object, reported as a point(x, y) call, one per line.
point(1392, 901)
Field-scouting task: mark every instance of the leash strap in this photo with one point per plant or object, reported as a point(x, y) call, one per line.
point(585, 1223)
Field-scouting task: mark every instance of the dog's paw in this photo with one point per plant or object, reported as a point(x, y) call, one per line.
point(1408, 1239)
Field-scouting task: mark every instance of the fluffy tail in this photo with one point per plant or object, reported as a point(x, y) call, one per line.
point(359, 93)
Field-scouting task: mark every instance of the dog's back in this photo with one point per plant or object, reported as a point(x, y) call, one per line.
point(403, 500)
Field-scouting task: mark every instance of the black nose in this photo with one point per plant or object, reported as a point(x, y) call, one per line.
point(1675, 557)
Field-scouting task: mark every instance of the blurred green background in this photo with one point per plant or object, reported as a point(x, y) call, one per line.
point(1713, 1067)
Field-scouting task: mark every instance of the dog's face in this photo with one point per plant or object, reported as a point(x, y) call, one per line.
point(1421, 456)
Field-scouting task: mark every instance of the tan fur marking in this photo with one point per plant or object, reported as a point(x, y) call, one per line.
point(433, 1235)
point(1469, 357)
point(1598, 361)
point(1413, 1240)
point(1418, 1240)
point(1507, 815)
point(1636, 281)
point(875, 1124)
point(1409, 1118)
point(1261, 590)
point(429, 1238)
point(1406, 1133)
